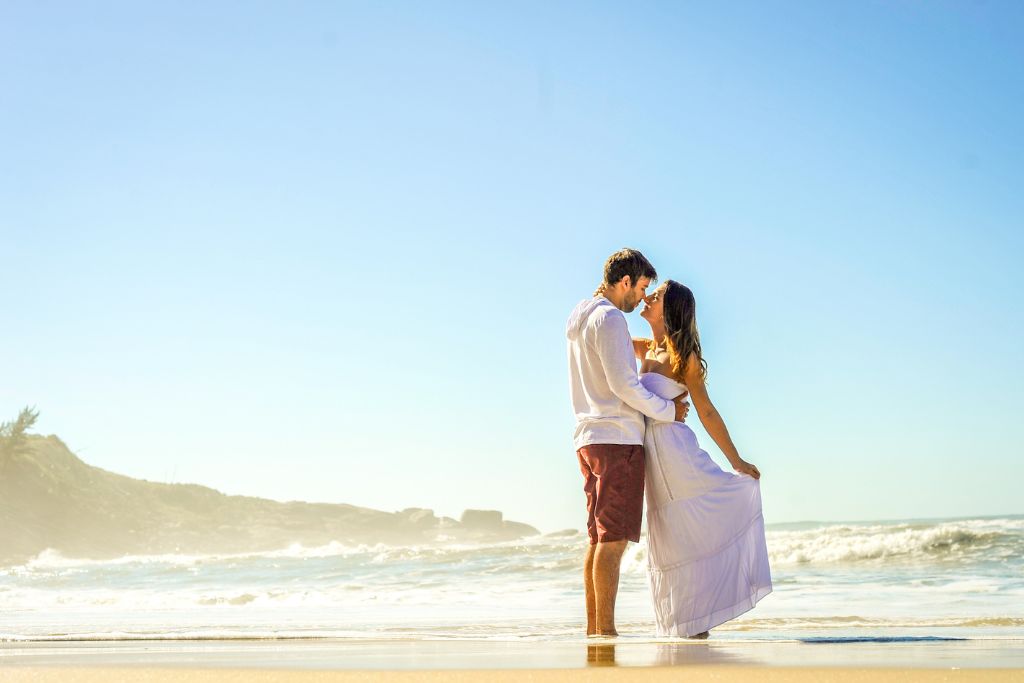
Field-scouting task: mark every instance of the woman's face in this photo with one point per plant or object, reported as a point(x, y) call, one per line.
point(654, 307)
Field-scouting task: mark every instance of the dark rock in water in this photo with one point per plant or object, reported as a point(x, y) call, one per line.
point(492, 523)
point(51, 499)
point(518, 530)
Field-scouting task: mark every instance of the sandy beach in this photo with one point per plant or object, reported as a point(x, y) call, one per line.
point(375, 660)
point(699, 674)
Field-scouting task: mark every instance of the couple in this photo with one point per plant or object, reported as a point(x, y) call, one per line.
point(707, 559)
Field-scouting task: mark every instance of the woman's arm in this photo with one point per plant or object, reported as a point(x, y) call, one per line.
point(641, 346)
point(712, 420)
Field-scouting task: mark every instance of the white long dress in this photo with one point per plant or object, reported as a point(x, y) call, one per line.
point(707, 558)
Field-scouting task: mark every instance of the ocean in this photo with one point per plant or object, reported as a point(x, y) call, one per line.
point(903, 580)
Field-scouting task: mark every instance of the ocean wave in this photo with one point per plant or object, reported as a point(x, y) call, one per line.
point(983, 541)
point(379, 553)
point(54, 559)
point(967, 540)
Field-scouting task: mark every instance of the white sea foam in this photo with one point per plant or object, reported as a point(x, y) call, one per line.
point(967, 540)
point(836, 543)
point(54, 559)
point(954, 575)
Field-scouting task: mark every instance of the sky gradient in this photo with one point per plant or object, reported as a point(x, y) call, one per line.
point(325, 251)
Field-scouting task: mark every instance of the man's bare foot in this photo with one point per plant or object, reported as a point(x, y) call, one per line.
point(700, 636)
point(608, 634)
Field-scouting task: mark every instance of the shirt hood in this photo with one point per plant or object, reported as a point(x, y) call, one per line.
point(579, 315)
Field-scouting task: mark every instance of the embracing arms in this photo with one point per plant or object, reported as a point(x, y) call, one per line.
point(616, 353)
point(641, 346)
point(712, 420)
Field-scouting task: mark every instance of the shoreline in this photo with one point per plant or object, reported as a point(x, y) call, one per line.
point(692, 674)
point(490, 655)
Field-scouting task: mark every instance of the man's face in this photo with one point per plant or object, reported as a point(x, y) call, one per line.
point(636, 294)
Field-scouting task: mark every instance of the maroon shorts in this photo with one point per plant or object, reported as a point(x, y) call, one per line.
point(613, 479)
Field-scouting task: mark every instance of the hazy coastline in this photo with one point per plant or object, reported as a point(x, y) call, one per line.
point(50, 500)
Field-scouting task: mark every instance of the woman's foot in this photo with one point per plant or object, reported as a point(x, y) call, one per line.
point(700, 636)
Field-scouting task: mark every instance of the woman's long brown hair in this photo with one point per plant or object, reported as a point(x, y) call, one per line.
point(681, 335)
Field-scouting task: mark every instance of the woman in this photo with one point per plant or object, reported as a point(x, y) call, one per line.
point(707, 559)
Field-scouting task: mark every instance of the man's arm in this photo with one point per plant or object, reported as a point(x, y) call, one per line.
point(641, 347)
point(615, 349)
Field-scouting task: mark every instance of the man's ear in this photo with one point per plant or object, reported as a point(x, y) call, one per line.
point(628, 281)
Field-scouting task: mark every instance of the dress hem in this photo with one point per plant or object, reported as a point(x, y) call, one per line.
point(716, 618)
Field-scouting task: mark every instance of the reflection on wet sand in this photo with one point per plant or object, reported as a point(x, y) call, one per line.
point(691, 652)
point(683, 653)
point(602, 654)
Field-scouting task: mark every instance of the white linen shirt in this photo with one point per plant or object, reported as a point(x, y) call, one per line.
point(607, 397)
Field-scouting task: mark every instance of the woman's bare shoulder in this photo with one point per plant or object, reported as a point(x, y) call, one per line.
point(693, 371)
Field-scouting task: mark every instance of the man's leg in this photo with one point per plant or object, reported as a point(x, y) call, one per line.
point(607, 559)
point(590, 488)
point(588, 587)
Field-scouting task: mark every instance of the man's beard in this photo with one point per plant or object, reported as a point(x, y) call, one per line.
point(629, 304)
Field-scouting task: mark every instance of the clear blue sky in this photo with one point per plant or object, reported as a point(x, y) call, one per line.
point(325, 251)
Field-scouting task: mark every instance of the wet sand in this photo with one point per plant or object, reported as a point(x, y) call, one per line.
point(692, 675)
point(480, 660)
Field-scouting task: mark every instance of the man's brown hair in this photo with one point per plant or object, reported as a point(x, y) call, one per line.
point(628, 262)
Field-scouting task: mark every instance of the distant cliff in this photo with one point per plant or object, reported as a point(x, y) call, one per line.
point(49, 498)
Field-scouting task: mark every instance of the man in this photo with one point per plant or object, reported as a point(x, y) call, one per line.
point(610, 404)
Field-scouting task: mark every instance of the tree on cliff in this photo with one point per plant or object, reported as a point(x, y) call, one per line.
point(13, 439)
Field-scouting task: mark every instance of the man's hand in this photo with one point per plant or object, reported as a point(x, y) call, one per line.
point(682, 407)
